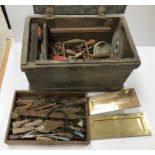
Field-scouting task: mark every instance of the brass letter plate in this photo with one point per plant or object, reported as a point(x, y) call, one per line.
point(113, 101)
point(116, 126)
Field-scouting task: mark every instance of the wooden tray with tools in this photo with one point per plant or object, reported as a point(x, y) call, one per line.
point(48, 118)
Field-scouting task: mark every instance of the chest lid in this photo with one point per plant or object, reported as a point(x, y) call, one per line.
point(79, 9)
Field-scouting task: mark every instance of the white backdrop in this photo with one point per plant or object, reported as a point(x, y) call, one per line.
point(140, 18)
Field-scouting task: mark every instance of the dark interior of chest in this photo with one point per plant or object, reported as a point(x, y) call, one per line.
point(58, 32)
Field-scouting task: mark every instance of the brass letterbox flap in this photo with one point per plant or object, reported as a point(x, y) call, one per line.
point(113, 101)
point(117, 126)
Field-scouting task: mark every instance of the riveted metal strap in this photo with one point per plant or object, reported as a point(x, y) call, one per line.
point(49, 11)
point(101, 12)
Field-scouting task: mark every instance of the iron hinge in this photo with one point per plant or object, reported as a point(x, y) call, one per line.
point(49, 12)
point(101, 12)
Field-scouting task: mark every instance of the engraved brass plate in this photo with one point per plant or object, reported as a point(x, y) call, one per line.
point(117, 126)
point(113, 101)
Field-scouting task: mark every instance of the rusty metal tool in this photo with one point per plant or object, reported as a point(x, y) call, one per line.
point(38, 102)
point(82, 52)
point(49, 126)
point(90, 42)
point(45, 106)
point(80, 101)
point(74, 42)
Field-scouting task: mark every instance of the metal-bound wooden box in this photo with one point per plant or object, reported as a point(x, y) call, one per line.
point(101, 23)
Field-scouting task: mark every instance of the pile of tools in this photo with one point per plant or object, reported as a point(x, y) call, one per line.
point(81, 49)
point(59, 118)
point(71, 50)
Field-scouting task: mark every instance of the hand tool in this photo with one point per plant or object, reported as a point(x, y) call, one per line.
point(76, 128)
point(74, 42)
point(33, 123)
point(48, 126)
point(80, 134)
point(35, 134)
point(102, 49)
point(17, 124)
point(22, 130)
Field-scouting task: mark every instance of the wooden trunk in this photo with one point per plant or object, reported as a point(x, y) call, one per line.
point(70, 22)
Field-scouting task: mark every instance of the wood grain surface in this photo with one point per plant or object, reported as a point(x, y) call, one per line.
point(4, 60)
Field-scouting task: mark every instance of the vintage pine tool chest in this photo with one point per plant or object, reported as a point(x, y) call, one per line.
point(78, 48)
point(67, 118)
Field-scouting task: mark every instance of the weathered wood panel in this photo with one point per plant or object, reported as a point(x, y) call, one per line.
point(80, 9)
